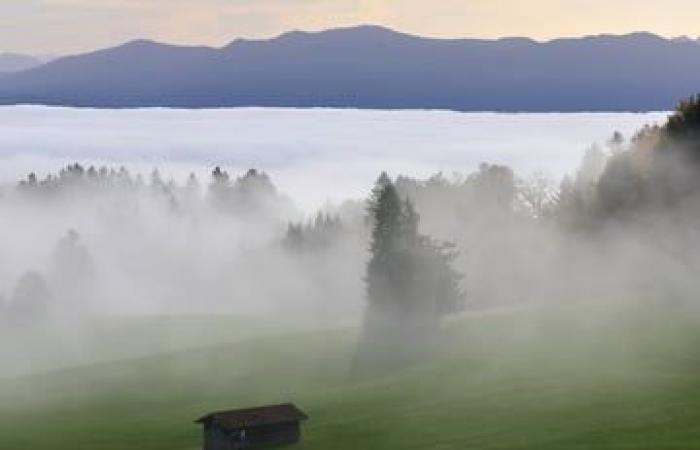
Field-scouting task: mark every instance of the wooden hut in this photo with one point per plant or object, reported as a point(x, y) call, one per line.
point(252, 427)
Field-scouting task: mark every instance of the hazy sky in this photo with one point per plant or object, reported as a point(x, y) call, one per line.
point(68, 26)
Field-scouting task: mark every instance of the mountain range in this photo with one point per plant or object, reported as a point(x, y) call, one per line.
point(373, 67)
point(14, 62)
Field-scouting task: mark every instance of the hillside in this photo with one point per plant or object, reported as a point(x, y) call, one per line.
point(374, 67)
point(581, 376)
point(13, 62)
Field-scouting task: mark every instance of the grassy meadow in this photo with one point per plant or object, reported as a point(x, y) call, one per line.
point(622, 375)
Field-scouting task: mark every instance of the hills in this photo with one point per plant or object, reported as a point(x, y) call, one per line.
point(374, 67)
point(13, 62)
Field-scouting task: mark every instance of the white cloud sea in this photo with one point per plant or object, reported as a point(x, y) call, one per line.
point(313, 155)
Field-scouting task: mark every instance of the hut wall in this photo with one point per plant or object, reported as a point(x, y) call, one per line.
point(286, 433)
point(216, 438)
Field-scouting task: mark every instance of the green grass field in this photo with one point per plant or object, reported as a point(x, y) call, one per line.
point(577, 377)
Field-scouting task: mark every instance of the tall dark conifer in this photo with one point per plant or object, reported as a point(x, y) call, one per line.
point(410, 278)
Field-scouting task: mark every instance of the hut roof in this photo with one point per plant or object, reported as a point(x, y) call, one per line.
point(264, 415)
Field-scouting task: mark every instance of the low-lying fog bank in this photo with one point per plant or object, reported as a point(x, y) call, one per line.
point(313, 155)
point(87, 241)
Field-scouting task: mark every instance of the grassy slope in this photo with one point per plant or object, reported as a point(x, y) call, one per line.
point(115, 338)
point(624, 379)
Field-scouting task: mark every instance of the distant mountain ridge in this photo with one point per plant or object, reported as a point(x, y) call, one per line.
point(14, 62)
point(374, 67)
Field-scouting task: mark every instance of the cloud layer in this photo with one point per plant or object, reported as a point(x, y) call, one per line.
point(312, 155)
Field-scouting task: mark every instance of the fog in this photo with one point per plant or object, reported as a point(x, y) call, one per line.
point(84, 242)
point(313, 155)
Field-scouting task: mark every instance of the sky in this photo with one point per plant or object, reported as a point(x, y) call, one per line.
point(60, 27)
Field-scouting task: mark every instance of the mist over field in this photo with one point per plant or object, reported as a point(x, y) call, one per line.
point(149, 240)
point(343, 225)
point(140, 237)
point(374, 260)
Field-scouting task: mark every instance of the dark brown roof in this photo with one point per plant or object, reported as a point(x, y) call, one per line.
point(264, 415)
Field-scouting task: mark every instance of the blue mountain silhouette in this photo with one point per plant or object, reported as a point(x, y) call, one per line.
point(374, 67)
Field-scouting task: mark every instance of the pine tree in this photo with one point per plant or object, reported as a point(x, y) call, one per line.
point(31, 299)
point(675, 173)
point(385, 269)
point(219, 187)
point(385, 212)
point(410, 282)
point(409, 276)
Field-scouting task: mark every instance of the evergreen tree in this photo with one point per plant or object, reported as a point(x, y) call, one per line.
point(675, 170)
point(219, 186)
point(318, 234)
point(72, 273)
point(410, 278)
point(385, 212)
point(684, 126)
point(220, 177)
point(192, 183)
point(31, 298)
